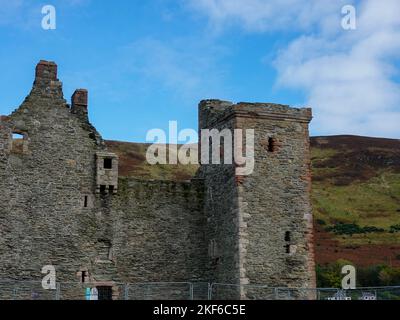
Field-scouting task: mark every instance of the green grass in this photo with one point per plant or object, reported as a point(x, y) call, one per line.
point(375, 202)
point(371, 203)
point(384, 238)
point(322, 154)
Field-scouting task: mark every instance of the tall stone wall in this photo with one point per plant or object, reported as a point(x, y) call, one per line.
point(262, 222)
point(159, 231)
point(274, 201)
point(221, 200)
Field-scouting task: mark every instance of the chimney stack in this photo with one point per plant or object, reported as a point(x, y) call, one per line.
point(79, 103)
point(46, 80)
point(46, 70)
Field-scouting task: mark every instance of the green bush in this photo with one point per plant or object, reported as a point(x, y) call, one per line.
point(395, 228)
point(368, 229)
point(330, 276)
point(352, 228)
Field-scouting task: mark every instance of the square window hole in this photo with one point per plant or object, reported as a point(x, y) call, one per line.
point(107, 163)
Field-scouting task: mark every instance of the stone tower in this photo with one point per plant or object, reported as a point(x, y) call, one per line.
point(260, 225)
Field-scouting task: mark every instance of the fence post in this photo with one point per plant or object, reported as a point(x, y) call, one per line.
point(14, 292)
point(58, 291)
point(191, 291)
point(276, 293)
point(209, 294)
point(126, 291)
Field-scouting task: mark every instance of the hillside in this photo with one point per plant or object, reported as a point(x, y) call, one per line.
point(356, 194)
point(356, 197)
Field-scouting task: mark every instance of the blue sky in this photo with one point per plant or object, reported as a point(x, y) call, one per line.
point(149, 62)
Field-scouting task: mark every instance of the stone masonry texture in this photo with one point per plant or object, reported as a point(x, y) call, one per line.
point(62, 202)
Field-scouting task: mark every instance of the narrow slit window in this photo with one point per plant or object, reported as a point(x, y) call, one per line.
point(83, 276)
point(211, 150)
point(287, 240)
point(271, 145)
point(110, 189)
point(107, 163)
point(85, 202)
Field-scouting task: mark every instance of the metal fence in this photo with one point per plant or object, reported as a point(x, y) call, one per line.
point(25, 290)
point(33, 290)
point(221, 291)
point(159, 291)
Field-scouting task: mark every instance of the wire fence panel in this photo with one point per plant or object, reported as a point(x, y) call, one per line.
point(200, 290)
point(373, 293)
point(219, 291)
point(25, 290)
point(160, 291)
point(72, 291)
point(83, 291)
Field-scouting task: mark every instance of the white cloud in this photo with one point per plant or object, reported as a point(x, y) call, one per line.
point(347, 76)
point(270, 15)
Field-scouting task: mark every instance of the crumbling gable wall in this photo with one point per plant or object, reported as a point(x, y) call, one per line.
point(42, 215)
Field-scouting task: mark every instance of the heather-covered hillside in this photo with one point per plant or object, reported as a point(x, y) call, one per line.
point(356, 194)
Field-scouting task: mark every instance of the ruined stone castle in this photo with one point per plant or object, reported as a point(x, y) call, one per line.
point(63, 202)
